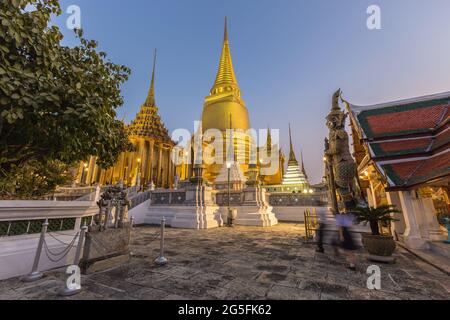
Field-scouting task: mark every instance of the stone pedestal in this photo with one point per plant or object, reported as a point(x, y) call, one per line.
point(255, 210)
point(106, 249)
point(197, 211)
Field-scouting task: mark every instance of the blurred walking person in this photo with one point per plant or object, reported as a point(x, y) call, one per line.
point(345, 223)
point(321, 215)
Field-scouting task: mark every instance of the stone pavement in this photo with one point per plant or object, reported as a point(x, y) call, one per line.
point(240, 263)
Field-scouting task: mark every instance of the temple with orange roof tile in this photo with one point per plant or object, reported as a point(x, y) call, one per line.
point(403, 156)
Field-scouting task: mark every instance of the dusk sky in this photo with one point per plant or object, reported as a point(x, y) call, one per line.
point(289, 56)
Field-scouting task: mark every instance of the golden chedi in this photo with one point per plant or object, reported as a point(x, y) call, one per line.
point(224, 108)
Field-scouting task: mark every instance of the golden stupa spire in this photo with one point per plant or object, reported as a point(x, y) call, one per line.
point(225, 75)
point(303, 166)
point(150, 101)
point(269, 141)
point(292, 157)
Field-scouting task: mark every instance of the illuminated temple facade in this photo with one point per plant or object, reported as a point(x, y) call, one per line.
point(150, 163)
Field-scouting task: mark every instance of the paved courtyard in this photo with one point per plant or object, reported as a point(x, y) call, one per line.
point(240, 263)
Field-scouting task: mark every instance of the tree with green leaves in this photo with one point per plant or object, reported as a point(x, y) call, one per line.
point(375, 216)
point(57, 103)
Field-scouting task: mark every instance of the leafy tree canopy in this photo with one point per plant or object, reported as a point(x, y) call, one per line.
point(57, 103)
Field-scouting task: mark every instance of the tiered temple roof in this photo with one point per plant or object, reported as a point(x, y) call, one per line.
point(408, 140)
point(148, 123)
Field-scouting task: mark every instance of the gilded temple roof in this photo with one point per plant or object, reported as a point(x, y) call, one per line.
point(148, 123)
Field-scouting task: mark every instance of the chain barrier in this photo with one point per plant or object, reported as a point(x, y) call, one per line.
point(157, 235)
point(56, 257)
point(52, 256)
point(60, 241)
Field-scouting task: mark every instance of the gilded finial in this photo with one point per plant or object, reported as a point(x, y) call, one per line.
point(290, 137)
point(151, 93)
point(225, 36)
point(303, 166)
point(292, 157)
point(226, 78)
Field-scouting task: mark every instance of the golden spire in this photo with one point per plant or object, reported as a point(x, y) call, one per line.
point(269, 141)
point(225, 34)
point(147, 122)
point(292, 157)
point(303, 166)
point(150, 101)
point(225, 75)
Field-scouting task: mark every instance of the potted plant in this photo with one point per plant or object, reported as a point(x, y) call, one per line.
point(380, 247)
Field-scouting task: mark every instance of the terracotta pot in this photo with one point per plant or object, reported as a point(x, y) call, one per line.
point(383, 246)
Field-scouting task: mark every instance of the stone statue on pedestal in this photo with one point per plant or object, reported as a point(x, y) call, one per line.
point(113, 206)
point(108, 239)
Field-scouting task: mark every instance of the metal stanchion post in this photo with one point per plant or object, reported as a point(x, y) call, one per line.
point(161, 260)
point(80, 246)
point(35, 274)
point(75, 289)
point(132, 222)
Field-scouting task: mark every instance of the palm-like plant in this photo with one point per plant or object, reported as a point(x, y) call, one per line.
point(374, 216)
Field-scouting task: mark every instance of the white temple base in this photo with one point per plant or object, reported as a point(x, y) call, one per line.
point(187, 217)
point(256, 217)
point(252, 216)
point(184, 217)
point(199, 210)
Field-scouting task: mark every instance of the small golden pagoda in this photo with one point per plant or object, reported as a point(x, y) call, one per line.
point(150, 163)
point(268, 149)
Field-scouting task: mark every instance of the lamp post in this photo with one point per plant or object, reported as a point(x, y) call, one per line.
point(230, 222)
point(138, 177)
point(186, 154)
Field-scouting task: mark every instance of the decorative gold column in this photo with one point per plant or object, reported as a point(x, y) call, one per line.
point(169, 170)
point(151, 161)
point(158, 174)
point(90, 171)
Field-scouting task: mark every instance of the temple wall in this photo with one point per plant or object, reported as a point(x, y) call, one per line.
point(17, 252)
point(295, 214)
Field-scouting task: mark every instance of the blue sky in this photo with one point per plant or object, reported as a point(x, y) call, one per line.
point(289, 56)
